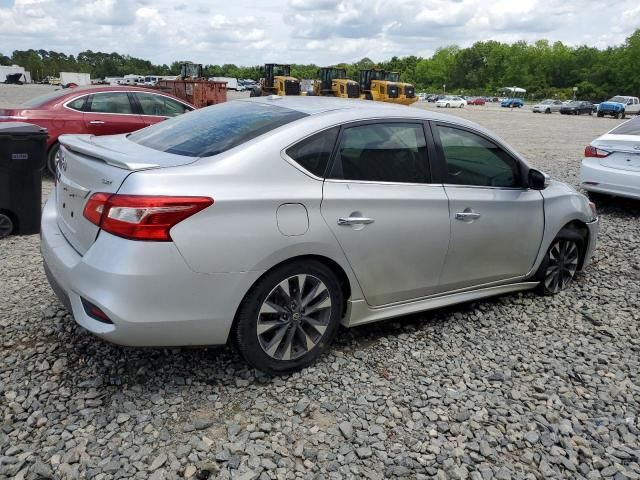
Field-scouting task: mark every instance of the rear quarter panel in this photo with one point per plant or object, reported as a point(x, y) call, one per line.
point(239, 232)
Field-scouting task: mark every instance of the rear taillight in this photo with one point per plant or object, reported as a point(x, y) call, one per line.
point(141, 217)
point(591, 151)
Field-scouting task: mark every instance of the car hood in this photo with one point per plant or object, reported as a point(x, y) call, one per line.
point(612, 104)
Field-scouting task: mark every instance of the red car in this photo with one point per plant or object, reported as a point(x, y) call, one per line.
point(476, 101)
point(95, 110)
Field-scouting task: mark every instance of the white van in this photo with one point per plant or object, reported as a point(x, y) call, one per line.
point(232, 83)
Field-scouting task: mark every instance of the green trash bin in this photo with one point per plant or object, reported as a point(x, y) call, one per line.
point(22, 158)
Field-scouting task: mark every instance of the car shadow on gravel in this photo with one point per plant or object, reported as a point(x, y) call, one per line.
point(96, 363)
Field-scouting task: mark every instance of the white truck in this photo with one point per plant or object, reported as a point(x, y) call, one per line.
point(619, 106)
point(73, 77)
point(232, 83)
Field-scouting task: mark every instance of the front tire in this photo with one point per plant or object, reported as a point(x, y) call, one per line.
point(560, 264)
point(289, 317)
point(447, 105)
point(52, 158)
point(548, 110)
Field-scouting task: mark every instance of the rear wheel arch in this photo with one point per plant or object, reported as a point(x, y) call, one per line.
point(334, 266)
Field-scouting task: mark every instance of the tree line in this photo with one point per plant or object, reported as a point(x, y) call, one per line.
point(545, 69)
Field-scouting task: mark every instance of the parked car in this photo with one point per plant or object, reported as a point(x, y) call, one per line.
point(168, 236)
point(422, 96)
point(547, 106)
point(94, 110)
point(451, 102)
point(512, 102)
point(619, 106)
point(476, 101)
point(577, 107)
point(434, 98)
point(611, 163)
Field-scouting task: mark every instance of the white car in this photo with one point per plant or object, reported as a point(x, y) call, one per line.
point(547, 106)
point(611, 162)
point(453, 102)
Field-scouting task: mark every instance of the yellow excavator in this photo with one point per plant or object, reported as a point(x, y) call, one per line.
point(277, 80)
point(334, 83)
point(406, 91)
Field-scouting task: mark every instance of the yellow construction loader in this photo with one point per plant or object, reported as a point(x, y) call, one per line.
point(406, 91)
point(334, 83)
point(277, 80)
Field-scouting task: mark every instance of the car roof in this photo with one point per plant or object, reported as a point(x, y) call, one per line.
point(354, 109)
point(65, 94)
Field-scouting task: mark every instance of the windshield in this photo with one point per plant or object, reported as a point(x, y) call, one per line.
point(42, 99)
point(618, 99)
point(632, 127)
point(215, 129)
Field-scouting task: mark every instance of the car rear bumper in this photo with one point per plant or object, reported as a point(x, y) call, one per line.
point(597, 178)
point(146, 289)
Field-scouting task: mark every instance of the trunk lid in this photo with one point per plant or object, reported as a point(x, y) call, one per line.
point(625, 151)
point(91, 164)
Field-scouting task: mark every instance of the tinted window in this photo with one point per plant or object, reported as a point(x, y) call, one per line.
point(212, 130)
point(313, 153)
point(392, 152)
point(77, 104)
point(160, 105)
point(111, 102)
point(632, 127)
point(473, 160)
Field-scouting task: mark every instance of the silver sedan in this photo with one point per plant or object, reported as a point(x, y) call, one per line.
point(269, 222)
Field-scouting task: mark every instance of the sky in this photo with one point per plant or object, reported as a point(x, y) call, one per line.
point(324, 32)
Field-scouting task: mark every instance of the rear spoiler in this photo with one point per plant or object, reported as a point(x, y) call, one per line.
point(82, 144)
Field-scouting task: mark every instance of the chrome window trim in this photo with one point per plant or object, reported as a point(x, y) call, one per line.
point(65, 104)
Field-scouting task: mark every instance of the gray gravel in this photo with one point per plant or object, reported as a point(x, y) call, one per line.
point(518, 387)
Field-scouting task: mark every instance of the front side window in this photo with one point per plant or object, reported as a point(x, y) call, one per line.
point(110, 102)
point(383, 152)
point(160, 105)
point(209, 131)
point(474, 160)
point(313, 153)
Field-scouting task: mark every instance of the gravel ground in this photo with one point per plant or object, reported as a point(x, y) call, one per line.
point(509, 388)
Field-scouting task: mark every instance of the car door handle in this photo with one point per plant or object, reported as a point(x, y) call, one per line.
point(96, 122)
point(466, 216)
point(355, 221)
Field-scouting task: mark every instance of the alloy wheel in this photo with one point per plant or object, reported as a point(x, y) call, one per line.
point(562, 266)
point(294, 317)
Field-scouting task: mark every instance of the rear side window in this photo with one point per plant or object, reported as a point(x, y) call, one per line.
point(111, 102)
point(216, 129)
point(313, 153)
point(632, 127)
point(383, 152)
point(77, 104)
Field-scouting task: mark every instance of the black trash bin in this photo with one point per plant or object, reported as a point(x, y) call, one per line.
point(22, 158)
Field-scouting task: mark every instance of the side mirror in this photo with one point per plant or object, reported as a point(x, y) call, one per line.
point(538, 180)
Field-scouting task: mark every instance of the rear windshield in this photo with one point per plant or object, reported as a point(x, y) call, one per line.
point(215, 129)
point(42, 99)
point(632, 127)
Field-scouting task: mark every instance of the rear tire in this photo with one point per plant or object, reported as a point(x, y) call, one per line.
point(289, 317)
point(560, 264)
point(6, 225)
point(52, 158)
